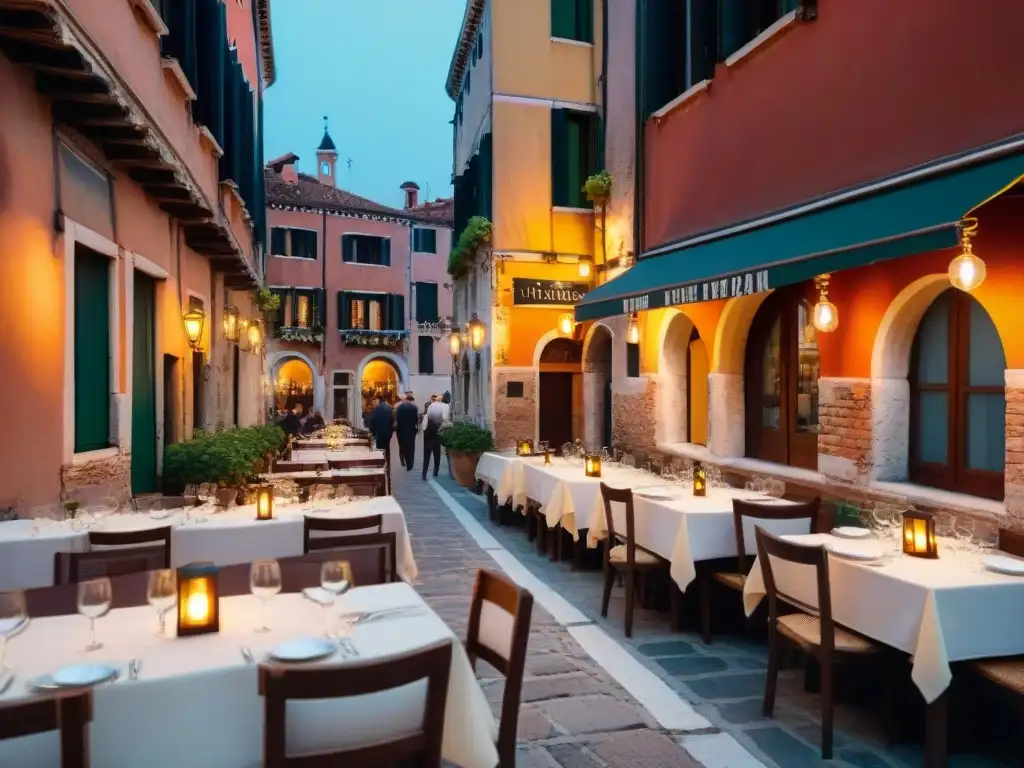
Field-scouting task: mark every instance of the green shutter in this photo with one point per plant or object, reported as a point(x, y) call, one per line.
point(143, 468)
point(92, 351)
point(559, 158)
point(563, 19)
point(733, 20)
point(321, 308)
point(385, 251)
point(430, 241)
point(426, 303)
point(277, 241)
point(277, 319)
point(212, 35)
point(180, 40)
point(426, 354)
point(585, 21)
point(344, 312)
point(395, 308)
point(575, 148)
point(347, 247)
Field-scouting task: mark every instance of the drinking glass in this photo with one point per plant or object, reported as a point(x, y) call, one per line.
point(163, 594)
point(542, 447)
point(94, 598)
point(264, 582)
point(13, 615)
point(336, 578)
point(986, 536)
point(963, 530)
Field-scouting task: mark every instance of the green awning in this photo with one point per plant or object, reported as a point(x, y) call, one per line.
point(899, 221)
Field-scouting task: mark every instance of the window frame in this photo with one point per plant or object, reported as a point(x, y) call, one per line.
point(289, 254)
point(582, 12)
point(385, 252)
point(419, 354)
point(437, 301)
point(954, 475)
point(335, 387)
point(566, 192)
point(418, 233)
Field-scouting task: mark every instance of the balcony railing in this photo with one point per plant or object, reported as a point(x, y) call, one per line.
point(381, 339)
point(314, 335)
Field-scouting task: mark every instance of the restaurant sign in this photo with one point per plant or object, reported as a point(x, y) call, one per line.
point(547, 293)
point(743, 284)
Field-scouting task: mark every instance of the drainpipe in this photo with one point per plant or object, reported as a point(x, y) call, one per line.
point(323, 289)
point(638, 140)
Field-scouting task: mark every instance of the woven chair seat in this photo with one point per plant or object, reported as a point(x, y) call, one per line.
point(805, 629)
point(731, 580)
point(1007, 672)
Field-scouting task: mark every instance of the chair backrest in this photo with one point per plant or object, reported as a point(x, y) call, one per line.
point(756, 510)
point(1011, 543)
point(369, 484)
point(375, 462)
point(280, 684)
point(769, 547)
point(499, 630)
point(369, 537)
point(365, 524)
point(624, 496)
point(152, 536)
point(70, 715)
point(73, 567)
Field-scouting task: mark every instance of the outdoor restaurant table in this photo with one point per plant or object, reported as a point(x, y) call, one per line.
point(208, 535)
point(351, 453)
point(322, 444)
point(503, 472)
point(938, 611)
point(326, 476)
point(196, 703)
point(683, 529)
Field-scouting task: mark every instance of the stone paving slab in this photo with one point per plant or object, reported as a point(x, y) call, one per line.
point(574, 715)
point(724, 681)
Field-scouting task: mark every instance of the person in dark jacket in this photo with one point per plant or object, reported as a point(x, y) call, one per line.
point(407, 417)
point(291, 423)
point(382, 424)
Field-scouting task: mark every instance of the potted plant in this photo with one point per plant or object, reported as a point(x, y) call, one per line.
point(465, 441)
point(71, 509)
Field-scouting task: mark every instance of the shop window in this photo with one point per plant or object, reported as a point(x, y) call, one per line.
point(573, 20)
point(296, 243)
point(573, 156)
point(366, 249)
point(781, 374)
point(958, 399)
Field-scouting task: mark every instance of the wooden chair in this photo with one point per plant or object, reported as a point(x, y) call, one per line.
point(735, 580)
point(351, 463)
point(370, 484)
point(499, 636)
point(621, 553)
point(369, 536)
point(115, 554)
point(813, 631)
point(70, 715)
point(280, 684)
point(1006, 671)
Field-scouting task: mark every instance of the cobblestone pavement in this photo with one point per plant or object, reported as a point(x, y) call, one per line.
point(573, 714)
point(724, 682)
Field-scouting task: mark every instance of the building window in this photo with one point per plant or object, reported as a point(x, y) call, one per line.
point(92, 350)
point(366, 249)
point(781, 375)
point(633, 360)
point(426, 354)
point(469, 80)
point(424, 240)
point(341, 389)
point(573, 156)
point(740, 21)
point(480, 45)
point(297, 243)
point(573, 20)
point(370, 311)
point(299, 308)
point(426, 303)
point(957, 398)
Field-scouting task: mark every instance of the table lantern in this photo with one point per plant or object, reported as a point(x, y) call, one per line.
point(593, 465)
point(919, 535)
point(198, 603)
point(547, 457)
point(700, 480)
point(524, 447)
point(264, 502)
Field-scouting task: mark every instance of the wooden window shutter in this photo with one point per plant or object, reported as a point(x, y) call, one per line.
point(92, 351)
point(563, 19)
point(385, 251)
point(348, 248)
point(321, 308)
point(426, 302)
point(277, 241)
point(559, 158)
point(585, 21)
point(212, 35)
point(277, 319)
point(395, 308)
point(344, 311)
point(426, 354)
point(180, 41)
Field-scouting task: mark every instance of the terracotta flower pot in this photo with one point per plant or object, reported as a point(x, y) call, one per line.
point(225, 496)
point(464, 468)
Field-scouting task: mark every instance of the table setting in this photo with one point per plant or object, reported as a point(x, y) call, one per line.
point(221, 535)
point(182, 690)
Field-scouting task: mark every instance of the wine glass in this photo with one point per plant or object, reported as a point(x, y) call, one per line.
point(335, 578)
point(94, 598)
point(963, 530)
point(264, 582)
point(13, 615)
point(986, 536)
point(162, 594)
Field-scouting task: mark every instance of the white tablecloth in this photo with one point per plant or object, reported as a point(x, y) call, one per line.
point(939, 611)
point(196, 702)
point(325, 475)
point(503, 472)
point(223, 538)
point(352, 453)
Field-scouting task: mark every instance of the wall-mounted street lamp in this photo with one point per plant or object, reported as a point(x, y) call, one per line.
point(254, 337)
point(477, 332)
point(231, 324)
point(825, 316)
point(585, 267)
point(967, 271)
point(633, 330)
point(193, 320)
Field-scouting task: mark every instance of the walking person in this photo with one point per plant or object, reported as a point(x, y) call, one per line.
point(446, 398)
point(407, 418)
point(381, 423)
point(437, 414)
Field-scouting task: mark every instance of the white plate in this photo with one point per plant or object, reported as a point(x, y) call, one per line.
point(655, 492)
point(1002, 564)
point(303, 649)
point(859, 555)
point(77, 675)
point(850, 532)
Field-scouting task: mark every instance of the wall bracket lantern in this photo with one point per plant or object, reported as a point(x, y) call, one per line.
point(633, 329)
point(477, 332)
point(967, 271)
point(231, 323)
point(193, 321)
point(825, 316)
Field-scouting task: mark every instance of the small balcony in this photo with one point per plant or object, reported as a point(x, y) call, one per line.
point(300, 335)
point(359, 337)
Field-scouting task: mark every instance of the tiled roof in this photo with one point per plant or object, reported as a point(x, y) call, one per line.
point(308, 191)
point(464, 46)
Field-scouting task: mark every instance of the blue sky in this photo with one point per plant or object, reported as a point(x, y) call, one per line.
point(377, 69)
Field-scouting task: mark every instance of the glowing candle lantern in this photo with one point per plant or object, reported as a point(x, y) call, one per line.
point(193, 321)
point(700, 480)
point(524, 447)
point(264, 502)
point(593, 465)
point(198, 602)
point(919, 535)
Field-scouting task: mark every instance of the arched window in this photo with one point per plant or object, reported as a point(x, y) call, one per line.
point(958, 399)
point(781, 375)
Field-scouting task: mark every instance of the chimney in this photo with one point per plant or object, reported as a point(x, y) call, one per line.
point(285, 165)
point(326, 158)
point(412, 194)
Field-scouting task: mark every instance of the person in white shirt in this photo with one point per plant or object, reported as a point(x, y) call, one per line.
point(437, 414)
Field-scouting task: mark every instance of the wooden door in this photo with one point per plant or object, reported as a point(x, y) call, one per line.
point(92, 350)
point(144, 386)
point(556, 408)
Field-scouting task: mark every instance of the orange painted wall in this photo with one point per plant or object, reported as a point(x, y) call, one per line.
point(527, 325)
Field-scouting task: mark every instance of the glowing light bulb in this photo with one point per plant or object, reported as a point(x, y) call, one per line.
point(633, 331)
point(966, 271)
point(826, 316)
point(583, 267)
point(198, 607)
point(565, 324)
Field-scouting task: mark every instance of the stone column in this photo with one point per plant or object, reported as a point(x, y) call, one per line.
point(1014, 470)
point(514, 417)
point(890, 429)
point(726, 415)
point(844, 428)
point(635, 412)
